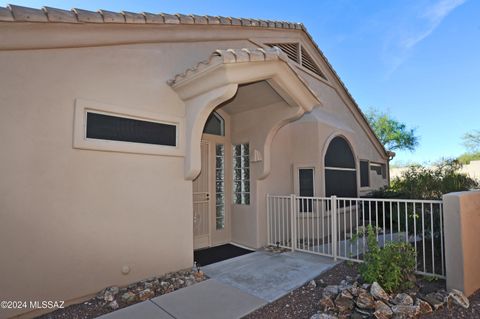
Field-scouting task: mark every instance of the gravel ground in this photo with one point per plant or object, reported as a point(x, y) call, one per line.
point(303, 302)
point(157, 286)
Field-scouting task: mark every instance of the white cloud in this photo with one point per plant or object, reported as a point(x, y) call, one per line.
point(415, 29)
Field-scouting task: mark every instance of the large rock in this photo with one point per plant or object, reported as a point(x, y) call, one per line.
point(424, 307)
point(435, 299)
point(382, 311)
point(344, 302)
point(331, 290)
point(402, 299)
point(326, 303)
point(365, 300)
point(459, 298)
point(404, 311)
point(378, 293)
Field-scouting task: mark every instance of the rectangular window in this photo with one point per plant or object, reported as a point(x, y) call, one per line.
point(384, 171)
point(364, 174)
point(241, 174)
point(306, 188)
point(220, 186)
point(115, 128)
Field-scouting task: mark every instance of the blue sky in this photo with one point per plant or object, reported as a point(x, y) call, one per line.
point(419, 60)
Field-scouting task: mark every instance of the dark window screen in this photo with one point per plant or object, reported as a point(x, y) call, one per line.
point(305, 176)
point(114, 128)
point(305, 180)
point(339, 154)
point(340, 183)
point(364, 177)
point(214, 125)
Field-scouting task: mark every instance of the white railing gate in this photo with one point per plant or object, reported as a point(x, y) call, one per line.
point(335, 227)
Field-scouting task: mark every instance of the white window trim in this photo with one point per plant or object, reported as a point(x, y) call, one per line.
point(80, 141)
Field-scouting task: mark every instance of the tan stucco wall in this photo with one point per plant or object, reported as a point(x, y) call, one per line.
point(462, 256)
point(72, 218)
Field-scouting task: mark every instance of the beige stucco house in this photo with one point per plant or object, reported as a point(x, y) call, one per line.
point(129, 140)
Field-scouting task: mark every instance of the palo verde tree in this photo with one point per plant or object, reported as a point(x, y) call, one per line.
point(394, 135)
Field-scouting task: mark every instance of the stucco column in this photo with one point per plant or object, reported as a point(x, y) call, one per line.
point(462, 240)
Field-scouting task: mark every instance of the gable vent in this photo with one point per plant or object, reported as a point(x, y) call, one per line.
point(295, 52)
point(292, 50)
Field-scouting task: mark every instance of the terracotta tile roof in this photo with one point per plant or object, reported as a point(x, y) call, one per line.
point(231, 56)
point(14, 13)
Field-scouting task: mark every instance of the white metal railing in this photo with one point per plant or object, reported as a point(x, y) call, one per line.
point(335, 227)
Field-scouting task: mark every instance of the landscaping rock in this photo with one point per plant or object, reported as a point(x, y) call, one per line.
point(404, 311)
point(378, 293)
point(312, 283)
point(331, 290)
point(344, 302)
point(326, 304)
point(323, 316)
point(435, 299)
point(459, 298)
point(129, 297)
point(145, 294)
point(424, 307)
point(113, 305)
point(402, 299)
point(365, 300)
point(108, 294)
point(382, 311)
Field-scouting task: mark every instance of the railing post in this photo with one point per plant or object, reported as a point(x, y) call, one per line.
point(333, 204)
point(268, 220)
point(293, 222)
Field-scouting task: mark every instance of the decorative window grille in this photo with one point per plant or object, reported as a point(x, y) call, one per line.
point(241, 174)
point(298, 54)
point(220, 186)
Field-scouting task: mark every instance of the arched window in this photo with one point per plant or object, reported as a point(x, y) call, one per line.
point(340, 173)
point(215, 125)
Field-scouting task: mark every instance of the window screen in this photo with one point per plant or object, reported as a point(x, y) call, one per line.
point(340, 172)
point(305, 179)
point(364, 174)
point(114, 128)
point(339, 154)
point(341, 183)
point(306, 188)
point(215, 125)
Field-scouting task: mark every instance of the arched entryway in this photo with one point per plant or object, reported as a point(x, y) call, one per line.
point(340, 169)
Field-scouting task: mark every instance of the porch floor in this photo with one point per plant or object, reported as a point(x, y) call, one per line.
point(236, 287)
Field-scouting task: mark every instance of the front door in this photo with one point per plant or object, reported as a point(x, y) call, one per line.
point(211, 214)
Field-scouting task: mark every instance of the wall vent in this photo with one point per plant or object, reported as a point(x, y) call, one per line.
point(297, 53)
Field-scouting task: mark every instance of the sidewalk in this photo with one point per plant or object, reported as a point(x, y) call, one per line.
point(236, 287)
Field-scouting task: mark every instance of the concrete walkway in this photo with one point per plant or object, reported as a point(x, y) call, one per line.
point(236, 287)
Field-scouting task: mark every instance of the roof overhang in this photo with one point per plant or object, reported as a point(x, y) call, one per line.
point(216, 80)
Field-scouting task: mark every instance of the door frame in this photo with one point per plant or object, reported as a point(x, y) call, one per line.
point(222, 236)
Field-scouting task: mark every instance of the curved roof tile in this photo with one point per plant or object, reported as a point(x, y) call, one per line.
point(14, 13)
point(232, 56)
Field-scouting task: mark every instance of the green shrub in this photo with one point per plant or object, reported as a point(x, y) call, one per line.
point(390, 266)
point(420, 182)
